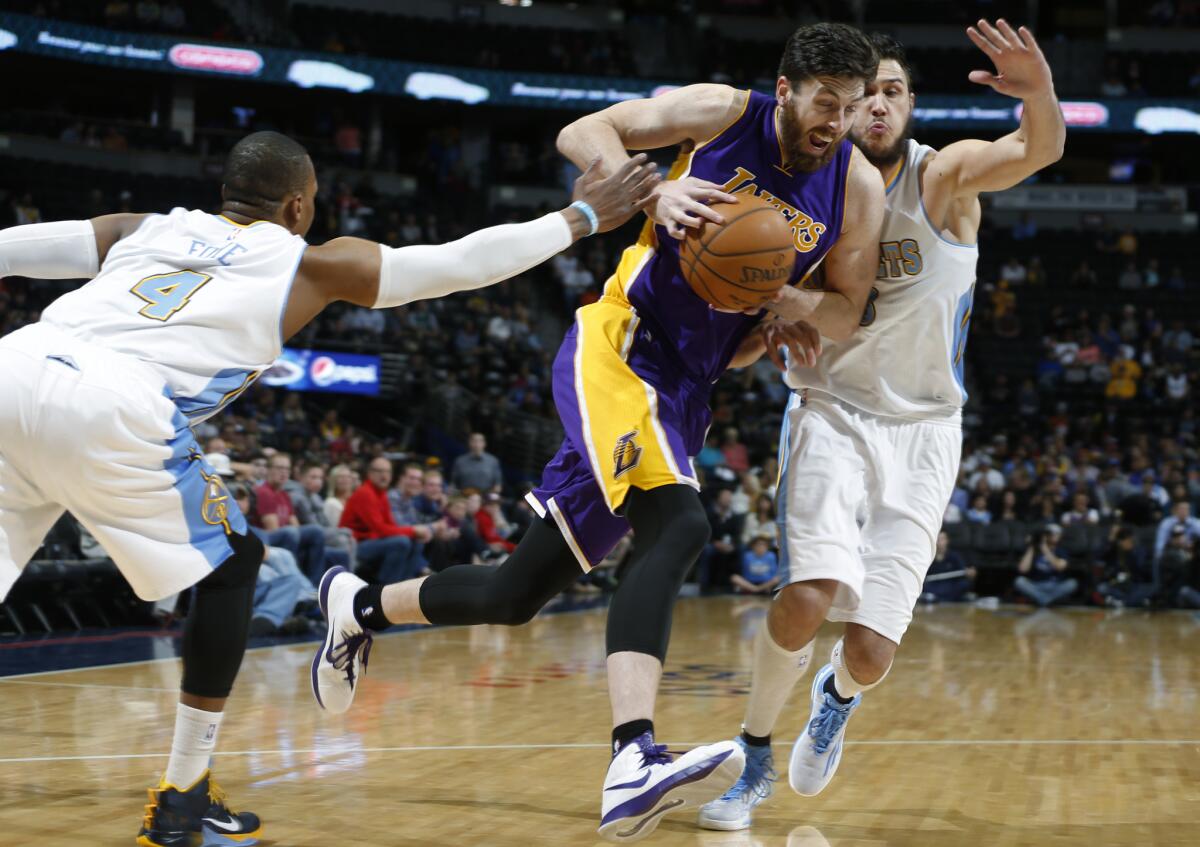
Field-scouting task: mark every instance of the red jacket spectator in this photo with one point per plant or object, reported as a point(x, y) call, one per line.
point(486, 526)
point(369, 515)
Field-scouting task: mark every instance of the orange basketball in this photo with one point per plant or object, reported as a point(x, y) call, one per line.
point(741, 264)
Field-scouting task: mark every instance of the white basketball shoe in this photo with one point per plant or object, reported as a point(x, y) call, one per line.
point(644, 783)
point(342, 657)
point(818, 751)
point(732, 810)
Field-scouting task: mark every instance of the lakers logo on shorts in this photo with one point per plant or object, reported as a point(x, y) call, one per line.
point(626, 454)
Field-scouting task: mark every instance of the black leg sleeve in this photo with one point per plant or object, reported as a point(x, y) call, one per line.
point(541, 567)
point(214, 636)
point(670, 529)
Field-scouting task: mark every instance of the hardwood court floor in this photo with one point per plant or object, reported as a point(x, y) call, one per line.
point(994, 728)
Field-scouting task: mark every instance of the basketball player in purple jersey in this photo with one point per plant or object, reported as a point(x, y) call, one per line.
point(873, 436)
point(632, 382)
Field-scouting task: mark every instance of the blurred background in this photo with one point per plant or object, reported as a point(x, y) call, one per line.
point(429, 119)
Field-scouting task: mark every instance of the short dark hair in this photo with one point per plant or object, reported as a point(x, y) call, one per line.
point(264, 169)
point(887, 47)
point(240, 490)
point(825, 49)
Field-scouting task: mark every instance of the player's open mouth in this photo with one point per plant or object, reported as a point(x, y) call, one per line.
point(818, 143)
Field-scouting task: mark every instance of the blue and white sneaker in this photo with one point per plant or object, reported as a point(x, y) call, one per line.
point(818, 751)
point(644, 783)
point(731, 810)
point(343, 655)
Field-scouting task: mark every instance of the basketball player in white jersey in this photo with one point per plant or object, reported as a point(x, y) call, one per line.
point(872, 437)
point(183, 312)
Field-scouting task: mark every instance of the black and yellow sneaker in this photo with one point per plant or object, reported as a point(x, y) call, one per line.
point(197, 817)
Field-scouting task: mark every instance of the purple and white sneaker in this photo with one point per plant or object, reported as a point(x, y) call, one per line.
point(342, 658)
point(644, 783)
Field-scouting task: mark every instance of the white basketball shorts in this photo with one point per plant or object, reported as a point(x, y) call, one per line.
point(92, 431)
point(860, 501)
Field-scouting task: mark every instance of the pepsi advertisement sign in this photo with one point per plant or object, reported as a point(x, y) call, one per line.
point(319, 370)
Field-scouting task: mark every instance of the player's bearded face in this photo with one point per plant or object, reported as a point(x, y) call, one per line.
point(884, 122)
point(814, 117)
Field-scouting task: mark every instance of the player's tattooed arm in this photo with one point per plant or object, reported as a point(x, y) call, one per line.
point(851, 265)
point(686, 116)
point(964, 169)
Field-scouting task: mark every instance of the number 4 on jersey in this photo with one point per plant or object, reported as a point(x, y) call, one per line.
point(166, 294)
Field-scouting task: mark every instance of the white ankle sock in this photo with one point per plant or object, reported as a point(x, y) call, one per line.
point(776, 672)
point(847, 686)
point(195, 738)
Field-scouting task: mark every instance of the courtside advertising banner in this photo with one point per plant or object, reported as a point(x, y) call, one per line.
point(321, 370)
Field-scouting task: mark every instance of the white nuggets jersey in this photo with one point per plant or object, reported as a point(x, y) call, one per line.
point(906, 359)
point(197, 297)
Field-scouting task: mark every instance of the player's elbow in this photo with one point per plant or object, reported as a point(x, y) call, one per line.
point(1051, 150)
point(568, 137)
point(1060, 145)
point(563, 141)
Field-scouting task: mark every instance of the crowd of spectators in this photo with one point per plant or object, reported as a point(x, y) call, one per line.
point(389, 517)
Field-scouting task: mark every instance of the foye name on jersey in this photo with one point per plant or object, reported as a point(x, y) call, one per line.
point(805, 231)
point(221, 252)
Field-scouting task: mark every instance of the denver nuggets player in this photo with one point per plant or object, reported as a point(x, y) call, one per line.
point(183, 312)
point(872, 437)
point(632, 382)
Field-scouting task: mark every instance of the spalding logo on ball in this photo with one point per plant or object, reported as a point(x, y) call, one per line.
point(742, 264)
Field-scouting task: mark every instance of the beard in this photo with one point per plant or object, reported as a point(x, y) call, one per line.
point(890, 155)
point(792, 135)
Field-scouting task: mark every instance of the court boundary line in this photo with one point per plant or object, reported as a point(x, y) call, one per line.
point(48, 684)
point(334, 752)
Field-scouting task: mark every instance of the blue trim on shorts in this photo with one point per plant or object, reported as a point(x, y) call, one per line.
point(785, 437)
point(201, 491)
point(225, 387)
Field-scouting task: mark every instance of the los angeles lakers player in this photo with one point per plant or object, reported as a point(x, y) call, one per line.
point(183, 312)
point(631, 384)
point(872, 436)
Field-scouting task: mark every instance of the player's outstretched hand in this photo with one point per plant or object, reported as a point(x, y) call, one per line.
point(681, 203)
point(1021, 69)
point(800, 338)
point(618, 197)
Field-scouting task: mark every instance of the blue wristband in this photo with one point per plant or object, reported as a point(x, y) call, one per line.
point(588, 213)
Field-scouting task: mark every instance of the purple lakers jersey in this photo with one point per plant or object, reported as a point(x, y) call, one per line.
point(677, 330)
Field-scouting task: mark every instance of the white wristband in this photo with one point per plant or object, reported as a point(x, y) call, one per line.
point(588, 212)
